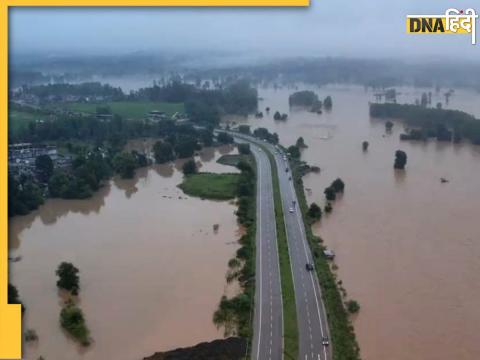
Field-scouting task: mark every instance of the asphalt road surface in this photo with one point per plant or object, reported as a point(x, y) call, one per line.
point(311, 315)
point(267, 341)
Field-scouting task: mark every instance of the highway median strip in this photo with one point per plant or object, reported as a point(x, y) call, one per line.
point(290, 325)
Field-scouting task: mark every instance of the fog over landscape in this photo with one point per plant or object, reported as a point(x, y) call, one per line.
point(372, 29)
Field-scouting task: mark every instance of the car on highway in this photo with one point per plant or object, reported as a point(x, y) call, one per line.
point(286, 170)
point(291, 210)
point(325, 341)
point(309, 267)
point(290, 178)
point(284, 157)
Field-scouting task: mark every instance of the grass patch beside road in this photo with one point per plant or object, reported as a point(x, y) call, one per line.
point(344, 342)
point(211, 186)
point(129, 109)
point(290, 325)
point(232, 159)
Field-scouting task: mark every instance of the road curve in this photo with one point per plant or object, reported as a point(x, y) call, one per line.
point(267, 341)
point(311, 314)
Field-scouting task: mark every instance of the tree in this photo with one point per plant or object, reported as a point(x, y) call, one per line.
point(244, 149)
point(330, 193)
point(190, 167)
point(224, 138)
point(314, 211)
point(424, 100)
point(365, 145)
point(163, 152)
point(124, 164)
point(186, 146)
point(68, 277)
point(400, 160)
point(294, 151)
point(301, 143)
point(327, 103)
point(44, 167)
point(353, 307)
point(244, 129)
point(338, 185)
point(328, 208)
point(388, 126)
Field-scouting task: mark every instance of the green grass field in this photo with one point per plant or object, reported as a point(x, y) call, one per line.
point(20, 119)
point(129, 109)
point(211, 186)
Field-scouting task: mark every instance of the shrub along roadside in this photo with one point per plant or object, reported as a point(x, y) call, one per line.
point(344, 343)
point(236, 314)
point(290, 326)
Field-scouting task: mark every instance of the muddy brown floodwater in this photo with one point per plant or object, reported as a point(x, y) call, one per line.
point(152, 271)
point(408, 246)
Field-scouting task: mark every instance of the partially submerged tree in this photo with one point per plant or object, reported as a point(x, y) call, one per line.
point(365, 145)
point(314, 211)
point(400, 160)
point(68, 277)
point(330, 193)
point(190, 167)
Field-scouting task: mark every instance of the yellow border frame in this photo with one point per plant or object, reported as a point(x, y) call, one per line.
point(10, 315)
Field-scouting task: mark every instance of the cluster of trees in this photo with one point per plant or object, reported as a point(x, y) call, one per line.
point(264, 134)
point(13, 296)
point(71, 316)
point(234, 313)
point(294, 151)
point(337, 186)
point(304, 98)
point(203, 105)
point(445, 125)
point(24, 195)
point(278, 116)
point(83, 179)
point(87, 89)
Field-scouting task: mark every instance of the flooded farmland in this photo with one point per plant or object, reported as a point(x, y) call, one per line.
point(152, 270)
point(407, 245)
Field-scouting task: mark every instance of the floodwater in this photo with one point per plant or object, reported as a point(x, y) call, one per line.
point(407, 245)
point(152, 270)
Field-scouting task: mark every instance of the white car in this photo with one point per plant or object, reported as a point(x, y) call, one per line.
point(291, 210)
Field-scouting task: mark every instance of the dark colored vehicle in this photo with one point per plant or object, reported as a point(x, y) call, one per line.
point(309, 267)
point(325, 341)
point(286, 170)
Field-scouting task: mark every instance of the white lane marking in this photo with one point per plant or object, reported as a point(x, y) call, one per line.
point(311, 275)
point(260, 256)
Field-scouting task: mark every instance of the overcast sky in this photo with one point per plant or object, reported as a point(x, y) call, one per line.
point(368, 28)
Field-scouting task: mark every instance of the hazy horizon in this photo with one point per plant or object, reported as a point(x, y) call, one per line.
point(339, 29)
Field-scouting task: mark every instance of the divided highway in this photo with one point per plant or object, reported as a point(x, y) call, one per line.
point(312, 322)
point(267, 341)
point(311, 315)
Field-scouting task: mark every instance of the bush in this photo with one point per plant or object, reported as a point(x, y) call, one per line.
point(314, 211)
point(353, 307)
point(73, 321)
